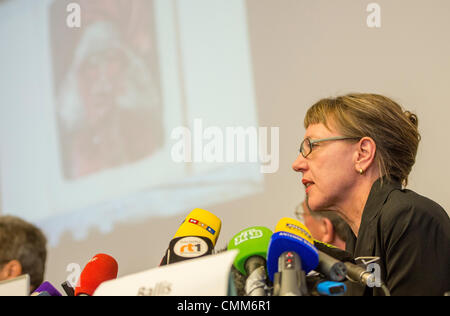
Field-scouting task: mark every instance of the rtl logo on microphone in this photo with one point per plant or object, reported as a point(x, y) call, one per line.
point(190, 247)
point(202, 225)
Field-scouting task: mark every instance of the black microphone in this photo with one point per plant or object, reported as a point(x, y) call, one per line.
point(355, 273)
point(332, 268)
point(195, 238)
point(331, 255)
point(68, 288)
point(334, 252)
point(362, 276)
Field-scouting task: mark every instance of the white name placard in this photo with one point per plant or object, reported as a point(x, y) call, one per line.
point(16, 287)
point(206, 276)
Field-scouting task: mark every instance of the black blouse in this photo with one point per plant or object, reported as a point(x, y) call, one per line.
point(411, 236)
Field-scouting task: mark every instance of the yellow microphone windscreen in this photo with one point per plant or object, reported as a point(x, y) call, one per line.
point(200, 223)
point(295, 227)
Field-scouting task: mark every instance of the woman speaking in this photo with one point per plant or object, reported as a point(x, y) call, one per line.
point(355, 159)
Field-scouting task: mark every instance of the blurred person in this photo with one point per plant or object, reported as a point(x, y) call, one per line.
point(355, 159)
point(325, 226)
point(22, 250)
point(109, 104)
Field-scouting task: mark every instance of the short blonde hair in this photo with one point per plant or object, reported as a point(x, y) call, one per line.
point(394, 130)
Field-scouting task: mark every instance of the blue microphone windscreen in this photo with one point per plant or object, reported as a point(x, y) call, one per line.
point(284, 241)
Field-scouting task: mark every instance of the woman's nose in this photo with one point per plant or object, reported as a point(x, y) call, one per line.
point(299, 164)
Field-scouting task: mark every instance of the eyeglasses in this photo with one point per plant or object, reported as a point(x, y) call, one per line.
point(307, 144)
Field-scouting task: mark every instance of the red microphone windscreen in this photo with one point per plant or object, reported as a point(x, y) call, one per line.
point(99, 269)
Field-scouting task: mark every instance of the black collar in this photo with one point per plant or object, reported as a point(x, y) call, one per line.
point(377, 197)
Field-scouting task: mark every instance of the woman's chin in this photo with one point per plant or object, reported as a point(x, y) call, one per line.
point(314, 205)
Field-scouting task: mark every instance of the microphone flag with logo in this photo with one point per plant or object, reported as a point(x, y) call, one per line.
point(291, 235)
point(99, 269)
point(195, 238)
point(251, 242)
point(46, 289)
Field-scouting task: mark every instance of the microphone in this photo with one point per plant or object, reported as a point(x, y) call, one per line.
point(252, 244)
point(99, 269)
point(290, 280)
point(332, 268)
point(291, 235)
point(46, 289)
point(358, 274)
point(195, 238)
point(364, 277)
point(331, 261)
point(354, 273)
point(333, 251)
point(68, 288)
point(290, 256)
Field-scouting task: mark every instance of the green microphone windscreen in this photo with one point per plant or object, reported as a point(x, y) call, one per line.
point(253, 241)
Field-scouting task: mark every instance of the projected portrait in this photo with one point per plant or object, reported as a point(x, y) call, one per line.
point(109, 107)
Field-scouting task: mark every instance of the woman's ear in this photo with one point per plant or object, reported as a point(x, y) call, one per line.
point(365, 154)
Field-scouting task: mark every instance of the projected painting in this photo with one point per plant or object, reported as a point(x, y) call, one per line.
point(93, 142)
point(109, 108)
